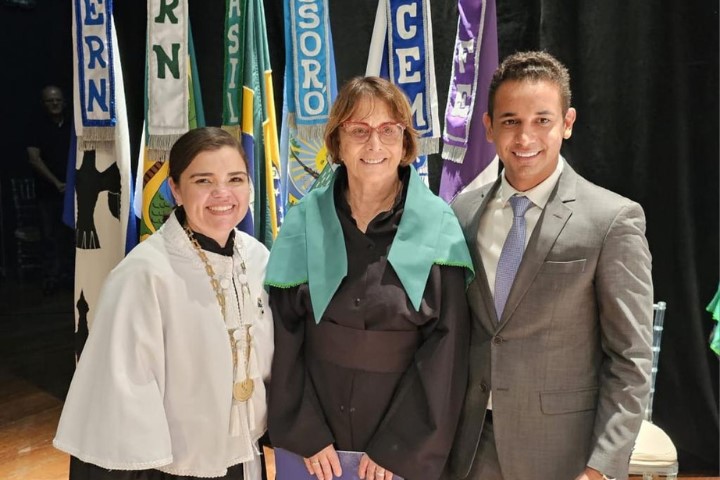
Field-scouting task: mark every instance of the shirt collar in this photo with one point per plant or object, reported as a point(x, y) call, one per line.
point(539, 194)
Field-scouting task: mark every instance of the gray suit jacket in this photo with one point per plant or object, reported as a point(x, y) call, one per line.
point(569, 361)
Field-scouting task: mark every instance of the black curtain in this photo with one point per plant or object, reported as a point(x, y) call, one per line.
point(645, 84)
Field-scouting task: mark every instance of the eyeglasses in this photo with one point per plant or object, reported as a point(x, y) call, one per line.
point(389, 133)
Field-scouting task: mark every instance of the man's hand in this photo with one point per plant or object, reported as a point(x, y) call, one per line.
point(36, 162)
point(324, 464)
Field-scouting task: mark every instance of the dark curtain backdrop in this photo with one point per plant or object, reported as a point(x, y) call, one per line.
point(645, 84)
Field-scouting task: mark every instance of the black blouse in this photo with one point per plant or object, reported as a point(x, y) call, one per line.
point(374, 375)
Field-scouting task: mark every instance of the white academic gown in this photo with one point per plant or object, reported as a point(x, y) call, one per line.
point(153, 388)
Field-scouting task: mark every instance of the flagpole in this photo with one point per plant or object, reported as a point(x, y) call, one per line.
point(378, 40)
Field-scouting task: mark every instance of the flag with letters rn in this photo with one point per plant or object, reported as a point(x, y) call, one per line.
point(173, 106)
point(469, 159)
point(99, 159)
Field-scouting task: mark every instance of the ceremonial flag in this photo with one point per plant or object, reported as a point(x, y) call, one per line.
point(469, 159)
point(401, 50)
point(249, 112)
point(273, 187)
point(102, 180)
point(163, 126)
point(167, 93)
point(234, 64)
point(235, 20)
point(310, 87)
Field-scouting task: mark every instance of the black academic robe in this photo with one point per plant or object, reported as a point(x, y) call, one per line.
point(374, 374)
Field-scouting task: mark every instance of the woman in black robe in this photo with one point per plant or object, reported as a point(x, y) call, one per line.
point(367, 287)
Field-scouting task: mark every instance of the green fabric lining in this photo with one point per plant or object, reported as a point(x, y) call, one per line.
point(714, 309)
point(311, 246)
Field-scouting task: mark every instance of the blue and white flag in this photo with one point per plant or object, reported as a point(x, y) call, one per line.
point(104, 224)
point(303, 155)
point(401, 51)
point(310, 65)
point(94, 55)
point(411, 66)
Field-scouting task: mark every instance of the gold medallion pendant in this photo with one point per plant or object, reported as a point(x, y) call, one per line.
point(242, 391)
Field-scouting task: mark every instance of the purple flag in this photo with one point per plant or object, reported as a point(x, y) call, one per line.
point(466, 152)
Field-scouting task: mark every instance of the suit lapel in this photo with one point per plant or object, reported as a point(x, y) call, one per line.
point(481, 300)
point(551, 222)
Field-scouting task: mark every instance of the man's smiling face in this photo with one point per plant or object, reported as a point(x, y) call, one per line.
point(527, 128)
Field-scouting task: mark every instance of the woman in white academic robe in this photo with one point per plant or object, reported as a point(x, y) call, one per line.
point(171, 383)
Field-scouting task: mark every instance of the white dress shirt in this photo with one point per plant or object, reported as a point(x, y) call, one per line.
point(496, 221)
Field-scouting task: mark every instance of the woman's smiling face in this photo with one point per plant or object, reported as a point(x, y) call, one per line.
point(373, 160)
point(214, 191)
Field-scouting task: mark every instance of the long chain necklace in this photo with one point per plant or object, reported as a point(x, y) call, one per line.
point(243, 389)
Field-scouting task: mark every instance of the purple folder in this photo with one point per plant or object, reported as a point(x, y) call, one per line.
point(289, 466)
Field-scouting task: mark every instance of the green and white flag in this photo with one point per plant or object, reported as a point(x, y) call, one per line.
point(167, 81)
point(153, 198)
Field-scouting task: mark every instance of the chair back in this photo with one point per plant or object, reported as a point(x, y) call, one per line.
point(23, 190)
point(28, 236)
point(658, 319)
point(25, 203)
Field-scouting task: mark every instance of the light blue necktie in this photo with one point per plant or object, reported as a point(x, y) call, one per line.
point(511, 254)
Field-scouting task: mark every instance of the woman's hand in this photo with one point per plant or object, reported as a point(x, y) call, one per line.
point(324, 464)
point(370, 470)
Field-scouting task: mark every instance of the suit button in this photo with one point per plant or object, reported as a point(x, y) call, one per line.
point(342, 408)
point(357, 302)
point(352, 409)
point(483, 387)
point(497, 340)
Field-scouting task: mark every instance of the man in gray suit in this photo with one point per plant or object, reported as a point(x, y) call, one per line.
point(562, 302)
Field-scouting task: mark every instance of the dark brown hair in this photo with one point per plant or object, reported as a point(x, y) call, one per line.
point(196, 141)
point(531, 66)
point(371, 88)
